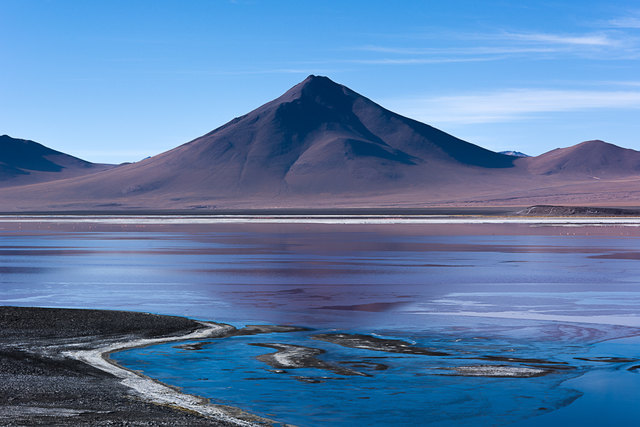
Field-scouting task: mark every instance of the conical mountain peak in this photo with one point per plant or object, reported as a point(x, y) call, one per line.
point(319, 84)
point(313, 79)
point(595, 141)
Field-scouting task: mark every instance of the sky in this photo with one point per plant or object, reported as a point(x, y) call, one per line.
point(115, 81)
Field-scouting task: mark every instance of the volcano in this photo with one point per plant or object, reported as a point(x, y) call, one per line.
point(319, 137)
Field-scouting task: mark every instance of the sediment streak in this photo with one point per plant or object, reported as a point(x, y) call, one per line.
point(155, 391)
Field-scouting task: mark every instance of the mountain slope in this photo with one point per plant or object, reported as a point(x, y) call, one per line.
point(27, 162)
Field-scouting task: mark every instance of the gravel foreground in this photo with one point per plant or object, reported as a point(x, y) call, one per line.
point(40, 386)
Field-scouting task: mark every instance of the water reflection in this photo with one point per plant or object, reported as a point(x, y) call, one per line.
point(319, 273)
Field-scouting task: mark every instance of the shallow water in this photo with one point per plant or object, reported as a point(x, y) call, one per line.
point(521, 291)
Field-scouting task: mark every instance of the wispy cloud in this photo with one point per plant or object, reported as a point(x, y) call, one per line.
point(625, 22)
point(310, 70)
point(204, 73)
point(409, 61)
point(461, 47)
point(509, 105)
point(473, 50)
point(564, 39)
point(633, 83)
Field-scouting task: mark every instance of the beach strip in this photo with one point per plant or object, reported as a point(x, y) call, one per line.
point(55, 369)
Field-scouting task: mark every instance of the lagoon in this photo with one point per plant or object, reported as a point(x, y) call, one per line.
point(544, 299)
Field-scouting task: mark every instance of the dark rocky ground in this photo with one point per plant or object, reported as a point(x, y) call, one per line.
point(548, 210)
point(39, 386)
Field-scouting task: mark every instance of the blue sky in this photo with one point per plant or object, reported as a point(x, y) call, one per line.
point(115, 81)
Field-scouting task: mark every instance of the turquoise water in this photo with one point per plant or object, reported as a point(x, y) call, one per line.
point(413, 389)
point(401, 388)
point(475, 293)
point(610, 392)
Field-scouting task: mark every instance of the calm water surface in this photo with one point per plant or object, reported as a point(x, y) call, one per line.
point(514, 297)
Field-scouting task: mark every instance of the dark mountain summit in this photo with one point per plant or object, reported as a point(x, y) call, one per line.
point(26, 162)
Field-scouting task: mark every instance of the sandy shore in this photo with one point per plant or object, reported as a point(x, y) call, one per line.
point(55, 370)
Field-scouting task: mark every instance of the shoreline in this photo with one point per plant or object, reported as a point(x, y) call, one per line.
point(156, 391)
point(512, 211)
point(399, 219)
point(55, 369)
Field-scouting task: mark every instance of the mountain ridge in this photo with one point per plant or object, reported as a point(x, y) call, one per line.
point(323, 144)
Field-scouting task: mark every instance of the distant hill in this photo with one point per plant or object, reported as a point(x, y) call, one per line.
point(590, 158)
point(27, 162)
